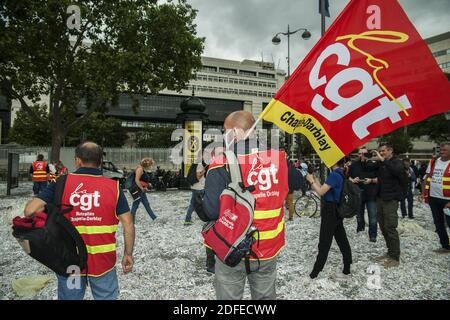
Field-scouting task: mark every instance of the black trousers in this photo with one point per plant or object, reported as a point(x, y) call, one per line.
point(331, 225)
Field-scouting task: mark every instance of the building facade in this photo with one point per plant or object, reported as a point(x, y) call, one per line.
point(440, 47)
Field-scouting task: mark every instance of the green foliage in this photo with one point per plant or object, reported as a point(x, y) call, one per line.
point(400, 141)
point(28, 132)
point(437, 128)
point(106, 131)
point(137, 46)
point(155, 137)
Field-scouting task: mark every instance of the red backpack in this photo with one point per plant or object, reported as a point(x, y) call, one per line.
point(231, 236)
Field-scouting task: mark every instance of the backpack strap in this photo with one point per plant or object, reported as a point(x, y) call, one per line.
point(64, 223)
point(235, 171)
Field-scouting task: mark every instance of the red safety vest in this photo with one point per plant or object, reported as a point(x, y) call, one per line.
point(267, 171)
point(445, 181)
point(62, 171)
point(39, 171)
point(94, 199)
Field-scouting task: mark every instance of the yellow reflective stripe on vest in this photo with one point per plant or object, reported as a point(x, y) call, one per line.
point(266, 214)
point(96, 229)
point(445, 187)
point(270, 234)
point(428, 179)
point(446, 179)
point(104, 248)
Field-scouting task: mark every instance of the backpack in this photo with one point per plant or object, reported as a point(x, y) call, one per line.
point(350, 200)
point(192, 174)
point(231, 236)
point(50, 238)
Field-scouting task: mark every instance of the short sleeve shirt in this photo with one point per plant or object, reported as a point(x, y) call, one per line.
point(336, 181)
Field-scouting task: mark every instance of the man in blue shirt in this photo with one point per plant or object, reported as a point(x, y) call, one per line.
point(331, 225)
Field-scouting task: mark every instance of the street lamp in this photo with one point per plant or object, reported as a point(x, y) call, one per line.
point(276, 41)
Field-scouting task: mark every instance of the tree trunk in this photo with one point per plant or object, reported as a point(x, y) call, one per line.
point(57, 139)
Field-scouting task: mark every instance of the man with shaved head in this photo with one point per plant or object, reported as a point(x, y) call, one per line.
point(98, 206)
point(266, 170)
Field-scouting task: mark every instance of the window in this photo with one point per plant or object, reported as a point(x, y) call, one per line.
point(441, 53)
point(227, 70)
point(247, 73)
point(209, 69)
point(266, 75)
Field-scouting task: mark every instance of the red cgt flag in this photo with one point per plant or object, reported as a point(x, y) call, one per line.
point(370, 74)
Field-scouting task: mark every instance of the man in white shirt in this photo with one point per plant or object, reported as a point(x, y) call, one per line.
point(437, 193)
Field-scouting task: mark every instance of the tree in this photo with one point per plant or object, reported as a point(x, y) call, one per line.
point(137, 46)
point(106, 131)
point(437, 128)
point(155, 137)
point(399, 140)
point(27, 131)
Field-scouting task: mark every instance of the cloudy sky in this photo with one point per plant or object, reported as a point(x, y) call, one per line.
point(243, 29)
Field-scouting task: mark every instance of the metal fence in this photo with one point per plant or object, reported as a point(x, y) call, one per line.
point(127, 158)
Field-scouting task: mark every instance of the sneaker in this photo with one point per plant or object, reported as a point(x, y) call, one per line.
point(411, 217)
point(290, 219)
point(211, 269)
point(442, 250)
point(373, 239)
point(391, 263)
point(381, 258)
point(188, 223)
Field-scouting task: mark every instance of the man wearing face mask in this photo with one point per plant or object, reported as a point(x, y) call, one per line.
point(266, 170)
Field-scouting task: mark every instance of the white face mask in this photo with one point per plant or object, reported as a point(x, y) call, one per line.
point(228, 138)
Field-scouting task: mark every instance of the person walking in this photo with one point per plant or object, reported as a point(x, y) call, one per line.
point(266, 170)
point(363, 172)
point(331, 225)
point(436, 192)
point(197, 191)
point(39, 171)
point(102, 201)
point(389, 193)
point(409, 196)
point(141, 181)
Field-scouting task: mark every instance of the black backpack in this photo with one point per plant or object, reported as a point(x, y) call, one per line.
point(58, 245)
point(350, 200)
point(192, 174)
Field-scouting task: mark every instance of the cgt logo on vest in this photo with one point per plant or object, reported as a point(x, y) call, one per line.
point(83, 199)
point(264, 176)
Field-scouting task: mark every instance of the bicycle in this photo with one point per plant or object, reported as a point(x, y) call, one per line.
point(307, 205)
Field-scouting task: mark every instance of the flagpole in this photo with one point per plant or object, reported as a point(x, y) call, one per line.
point(322, 16)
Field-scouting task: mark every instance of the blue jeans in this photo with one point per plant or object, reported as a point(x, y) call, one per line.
point(38, 186)
point(191, 205)
point(146, 204)
point(105, 287)
point(371, 206)
point(410, 199)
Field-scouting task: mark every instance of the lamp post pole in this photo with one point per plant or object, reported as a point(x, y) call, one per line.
point(276, 40)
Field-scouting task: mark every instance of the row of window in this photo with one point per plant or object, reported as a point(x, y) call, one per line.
point(444, 65)
point(141, 124)
point(241, 72)
point(236, 81)
point(232, 91)
point(441, 52)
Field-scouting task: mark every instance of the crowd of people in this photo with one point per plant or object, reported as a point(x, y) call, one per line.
point(385, 183)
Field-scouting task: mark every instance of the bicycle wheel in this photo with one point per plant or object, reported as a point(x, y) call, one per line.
point(305, 206)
